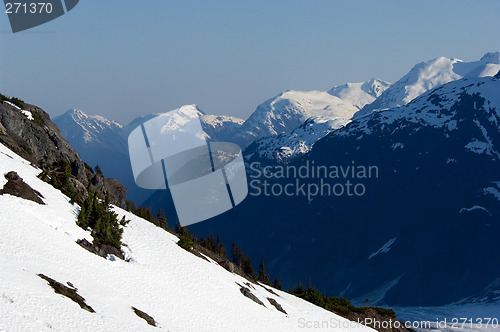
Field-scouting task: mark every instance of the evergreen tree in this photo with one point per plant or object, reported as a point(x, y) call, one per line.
point(299, 290)
point(236, 255)
point(246, 266)
point(263, 277)
point(277, 284)
point(162, 221)
point(185, 239)
point(178, 228)
point(102, 221)
point(211, 243)
point(220, 246)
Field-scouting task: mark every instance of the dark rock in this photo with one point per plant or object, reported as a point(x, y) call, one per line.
point(41, 137)
point(276, 305)
point(15, 186)
point(116, 191)
point(40, 142)
point(150, 320)
point(197, 253)
point(70, 293)
point(268, 289)
point(246, 292)
point(228, 266)
point(222, 261)
point(112, 187)
point(249, 285)
point(100, 249)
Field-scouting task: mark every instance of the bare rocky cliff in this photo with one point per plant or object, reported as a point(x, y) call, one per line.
point(29, 131)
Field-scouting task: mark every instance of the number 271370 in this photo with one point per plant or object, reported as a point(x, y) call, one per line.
point(28, 8)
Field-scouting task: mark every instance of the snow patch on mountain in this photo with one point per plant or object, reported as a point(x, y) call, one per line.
point(495, 191)
point(298, 141)
point(474, 208)
point(28, 114)
point(384, 249)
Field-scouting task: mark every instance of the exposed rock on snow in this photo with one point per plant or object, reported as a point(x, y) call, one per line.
point(17, 187)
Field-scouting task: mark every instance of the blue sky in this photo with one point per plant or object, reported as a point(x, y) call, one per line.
point(124, 58)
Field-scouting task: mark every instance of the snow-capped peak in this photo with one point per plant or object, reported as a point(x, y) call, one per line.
point(438, 108)
point(290, 109)
point(360, 94)
point(80, 117)
point(430, 74)
point(76, 124)
point(491, 57)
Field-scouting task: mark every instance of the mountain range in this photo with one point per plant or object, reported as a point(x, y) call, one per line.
point(104, 143)
point(379, 95)
point(433, 137)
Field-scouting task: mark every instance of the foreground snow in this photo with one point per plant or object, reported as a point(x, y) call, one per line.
point(179, 290)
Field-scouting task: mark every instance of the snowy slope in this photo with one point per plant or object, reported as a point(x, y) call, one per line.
point(179, 290)
point(430, 74)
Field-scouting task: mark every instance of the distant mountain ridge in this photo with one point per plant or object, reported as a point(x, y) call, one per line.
point(430, 74)
point(283, 127)
point(104, 142)
point(318, 122)
point(369, 96)
point(360, 94)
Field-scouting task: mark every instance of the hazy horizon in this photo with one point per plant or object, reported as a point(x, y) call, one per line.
point(121, 60)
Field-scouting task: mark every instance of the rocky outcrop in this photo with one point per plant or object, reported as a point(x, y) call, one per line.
point(246, 292)
point(30, 133)
point(15, 186)
point(276, 305)
point(150, 320)
point(116, 191)
point(100, 249)
point(69, 292)
point(37, 140)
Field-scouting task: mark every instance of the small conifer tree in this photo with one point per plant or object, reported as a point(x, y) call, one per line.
point(263, 277)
